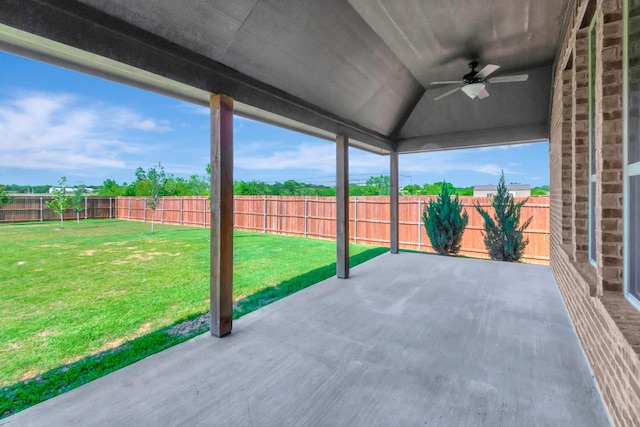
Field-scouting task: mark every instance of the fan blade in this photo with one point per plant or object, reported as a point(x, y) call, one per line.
point(449, 82)
point(483, 94)
point(488, 69)
point(447, 93)
point(509, 79)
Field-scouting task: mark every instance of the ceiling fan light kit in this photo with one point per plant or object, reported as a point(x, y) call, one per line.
point(472, 90)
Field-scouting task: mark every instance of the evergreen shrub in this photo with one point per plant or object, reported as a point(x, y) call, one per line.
point(445, 221)
point(503, 236)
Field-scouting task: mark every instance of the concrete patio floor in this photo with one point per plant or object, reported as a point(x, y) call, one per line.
point(409, 339)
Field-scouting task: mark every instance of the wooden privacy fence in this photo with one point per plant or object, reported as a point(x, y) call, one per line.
point(34, 208)
point(189, 210)
point(316, 217)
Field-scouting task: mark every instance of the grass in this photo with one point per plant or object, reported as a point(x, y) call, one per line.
point(79, 302)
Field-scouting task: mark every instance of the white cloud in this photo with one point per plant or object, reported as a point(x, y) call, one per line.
point(59, 132)
point(123, 118)
point(196, 109)
point(320, 157)
point(150, 125)
point(495, 147)
point(258, 156)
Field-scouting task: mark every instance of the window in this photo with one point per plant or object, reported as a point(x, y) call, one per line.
point(632, 150)
point(593, 184)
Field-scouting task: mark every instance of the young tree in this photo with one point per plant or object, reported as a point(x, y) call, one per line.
point(199, 185)
point(77, 199)
point(156, 178)
point(5, 198)
point(60, 201)
point(445, 221)
point(503, 236)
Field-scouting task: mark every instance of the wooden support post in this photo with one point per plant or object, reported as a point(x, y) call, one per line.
point(393, 214)
point(419, 224)
point(342, 206)
point(355, 220)
point(221, 292)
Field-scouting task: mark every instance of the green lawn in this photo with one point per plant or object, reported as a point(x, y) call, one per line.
point(69, 293)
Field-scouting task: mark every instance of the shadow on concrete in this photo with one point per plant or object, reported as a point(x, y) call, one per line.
point(21, 395)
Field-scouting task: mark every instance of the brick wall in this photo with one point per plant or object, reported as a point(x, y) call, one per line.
point(613, 360)
point(610, 137)
point(580, 181)
point(607, 324)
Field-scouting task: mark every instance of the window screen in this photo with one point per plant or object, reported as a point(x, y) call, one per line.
point(633, 114)
point(634, 238)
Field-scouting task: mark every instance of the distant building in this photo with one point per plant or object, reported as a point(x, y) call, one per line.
point(516, 190)
point(68, 190)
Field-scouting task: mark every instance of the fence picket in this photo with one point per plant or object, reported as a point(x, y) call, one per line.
point(33, 208)
point(304, 216)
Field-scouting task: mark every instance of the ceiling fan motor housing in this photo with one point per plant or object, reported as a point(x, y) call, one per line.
point(470, 77)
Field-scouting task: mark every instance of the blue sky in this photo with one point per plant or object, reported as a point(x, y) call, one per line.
point(56, 122)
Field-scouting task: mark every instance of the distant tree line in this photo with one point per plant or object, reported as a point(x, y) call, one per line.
point(436, 188)
point(145, 185)
point(37, 189)
point(199, 185)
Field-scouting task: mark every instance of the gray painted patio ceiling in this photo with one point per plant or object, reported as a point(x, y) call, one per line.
point(359, 67)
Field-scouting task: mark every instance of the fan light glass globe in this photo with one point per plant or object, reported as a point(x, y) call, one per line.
point(472, 90)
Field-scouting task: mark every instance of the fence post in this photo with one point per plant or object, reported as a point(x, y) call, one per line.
point(129, 214)
point(355, 220)
point(41, 219)
point(277, 215)
point(110, 207)
point(162, 212)
point(85, 207)
point(144, 210)
point(419, 225)
point(181, 198)
point(305, 216)
point(205, 212)
point(264, 218)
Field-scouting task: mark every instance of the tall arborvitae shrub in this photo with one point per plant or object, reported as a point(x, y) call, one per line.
point(445, 221)
point(503, 236)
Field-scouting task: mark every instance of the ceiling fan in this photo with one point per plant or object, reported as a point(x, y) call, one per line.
point(474, 82)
